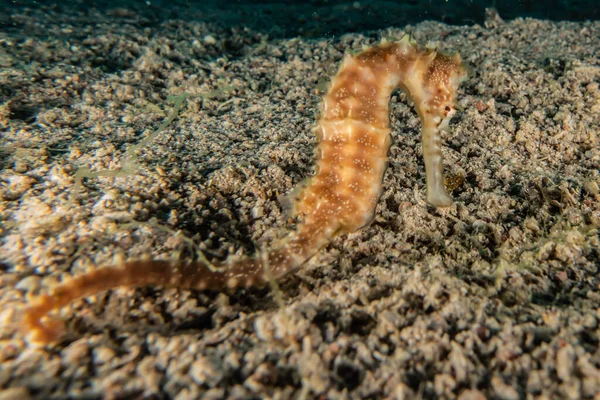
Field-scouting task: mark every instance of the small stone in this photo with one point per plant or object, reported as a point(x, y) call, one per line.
point(210, 40)
point(444, 384)
point(590, 321)
point(471, 394)
point(103, 355)
point(76, 352)
point(29, 283)
point(203, 372)
point(18, 393)
point(502, 390)
point(565, 359)
point(403, 392)
point(263, 327)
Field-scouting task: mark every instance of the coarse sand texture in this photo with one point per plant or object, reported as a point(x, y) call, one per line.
point(178, 141)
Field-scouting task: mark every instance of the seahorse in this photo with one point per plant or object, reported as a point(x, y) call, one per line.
point(353, 134)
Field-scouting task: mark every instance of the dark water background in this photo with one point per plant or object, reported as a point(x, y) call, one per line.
point(308, 18)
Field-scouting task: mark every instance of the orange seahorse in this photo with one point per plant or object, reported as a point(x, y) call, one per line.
point(354, 137)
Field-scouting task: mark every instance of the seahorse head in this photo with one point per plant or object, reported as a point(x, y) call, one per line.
point(441, 80)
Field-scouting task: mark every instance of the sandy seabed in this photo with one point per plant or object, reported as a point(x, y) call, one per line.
point(495, 297)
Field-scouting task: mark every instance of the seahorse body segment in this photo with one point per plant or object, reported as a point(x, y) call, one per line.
point(354, 137)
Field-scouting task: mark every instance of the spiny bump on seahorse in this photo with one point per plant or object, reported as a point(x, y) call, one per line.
point(353, 133)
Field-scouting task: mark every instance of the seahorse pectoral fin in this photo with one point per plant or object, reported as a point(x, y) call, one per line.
point(290, 200)
point(287, 202)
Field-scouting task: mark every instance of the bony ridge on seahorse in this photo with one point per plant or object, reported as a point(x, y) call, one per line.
point(353, 140)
